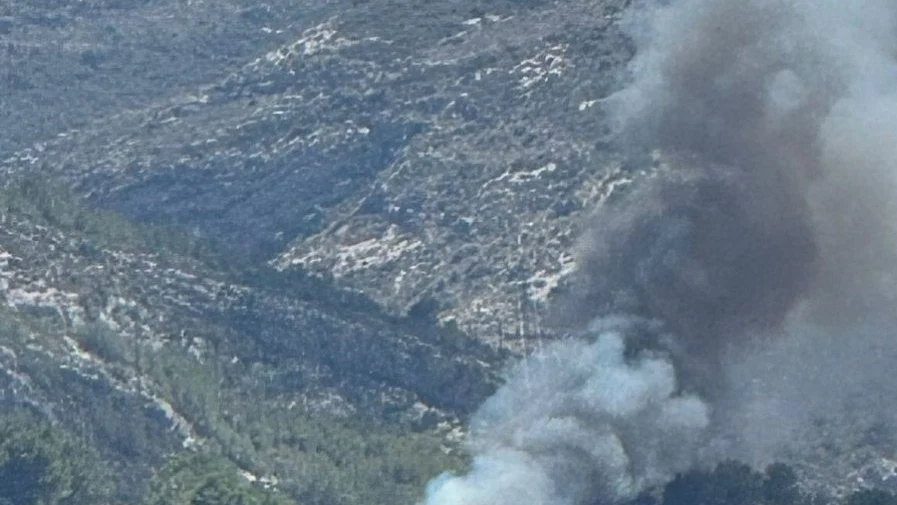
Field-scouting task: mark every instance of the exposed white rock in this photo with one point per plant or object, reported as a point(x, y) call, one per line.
point(548, 62)
point(347, 258)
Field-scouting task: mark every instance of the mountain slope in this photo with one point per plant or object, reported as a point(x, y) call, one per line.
point(145, 343)
point(394, 190)
point(411, 150)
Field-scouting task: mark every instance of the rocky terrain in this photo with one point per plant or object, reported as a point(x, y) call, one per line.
point(151, 346)
point(342, 209)
point(444, 152)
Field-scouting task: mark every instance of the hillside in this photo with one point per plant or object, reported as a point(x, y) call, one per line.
point(146, 342)
point(281, 252)
point(365, 117)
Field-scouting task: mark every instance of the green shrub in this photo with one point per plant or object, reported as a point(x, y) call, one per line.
point(194, 478)
point(41, 464)
point(104, 343)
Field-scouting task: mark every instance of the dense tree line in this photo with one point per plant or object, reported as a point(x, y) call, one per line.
point(41, 464)
point(44, 464)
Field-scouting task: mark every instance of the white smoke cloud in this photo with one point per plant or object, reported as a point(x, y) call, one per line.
point(578, 422)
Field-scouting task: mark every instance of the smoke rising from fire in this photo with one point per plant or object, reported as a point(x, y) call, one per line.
point(757, 262)
point(580, 421)
point(781, 117)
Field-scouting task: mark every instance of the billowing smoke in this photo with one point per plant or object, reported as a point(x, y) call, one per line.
point(757, 263)
point(779, 118)
point(766, 241)
point(578, 423)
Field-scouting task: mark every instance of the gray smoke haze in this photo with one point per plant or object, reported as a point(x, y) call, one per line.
point(762, 251)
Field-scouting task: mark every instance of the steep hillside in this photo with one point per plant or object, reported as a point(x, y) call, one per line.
point(146, 342)
point(441, 151)
point(67, 64)
point(296, 241)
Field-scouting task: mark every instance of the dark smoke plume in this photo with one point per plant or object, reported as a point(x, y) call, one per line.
point(757, 265)
point(711, 252)
point(796, 102)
